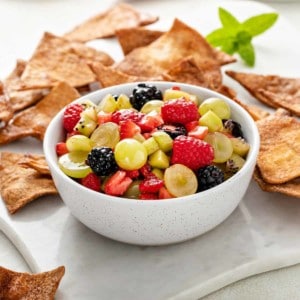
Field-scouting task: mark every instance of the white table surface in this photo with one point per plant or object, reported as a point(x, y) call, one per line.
point(280, 284)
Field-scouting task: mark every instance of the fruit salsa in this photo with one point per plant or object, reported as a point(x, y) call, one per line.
point(151, 144)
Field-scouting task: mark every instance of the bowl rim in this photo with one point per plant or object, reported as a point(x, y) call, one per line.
point(52, 160)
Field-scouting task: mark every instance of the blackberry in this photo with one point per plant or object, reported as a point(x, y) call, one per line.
point(144, 93)
point(233, 127)
point(209, 177)
point(102, 161)
point(173, 130)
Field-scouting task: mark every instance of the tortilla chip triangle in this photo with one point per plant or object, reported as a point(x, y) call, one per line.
point(105, 24)
point(41, 286)
point(273, 90)
point(6, 111)
point(279, 155)
point(33, 121)
point(18, 185)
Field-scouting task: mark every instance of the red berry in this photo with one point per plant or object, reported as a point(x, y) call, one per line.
point(72, 116)
point(117, 184)
point(163, 193)
point(151, 184)
point(61, 148)
point(128, 129)
point(126, 114)
point(199, 132)
point(179, 111)
point(191, 125)
point(146, 170)
point(133, 174)
point(191, 152)
point(150, 121)
point(176, 88)
point(91, 181)
point(103, 117)
point(148, 196)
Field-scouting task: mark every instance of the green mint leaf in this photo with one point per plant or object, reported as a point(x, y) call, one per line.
point(230, 46)
point(258, 24)
point(228, 20)
point(246, 52)
point(243, 37)
point(218, 37)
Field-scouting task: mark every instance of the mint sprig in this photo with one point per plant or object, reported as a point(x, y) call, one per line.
point(236, 37)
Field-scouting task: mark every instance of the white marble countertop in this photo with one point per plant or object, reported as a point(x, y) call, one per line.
point(21, 29)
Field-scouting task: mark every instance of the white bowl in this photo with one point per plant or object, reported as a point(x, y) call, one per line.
point(153, 222)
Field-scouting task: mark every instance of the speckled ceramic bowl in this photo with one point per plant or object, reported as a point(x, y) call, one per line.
point(154, 222)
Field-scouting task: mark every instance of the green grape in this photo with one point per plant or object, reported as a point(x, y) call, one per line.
point(221, 144)
point(180, 180)
point(123, 102)
point(240, 146)
point(108, 104)
point(164, 141)
point(234, 163)
point(79, 142)
point(130, 154)
point(106, 135)
point(170, 94)
point(152, 105)
point(73, 164)
point(159, 159)
point(211, 121)
point(220, 107)
point(133, 191)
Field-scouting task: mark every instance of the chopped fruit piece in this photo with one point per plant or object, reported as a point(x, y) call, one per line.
point(148, 196)
point(240, 146)
point(139, 137)
point(61, 148)
point(90, 112)
point(151, 185)
point(191, 125)
point(123, 102)
point(73, 164)
point(150, 121)
point(199, 132)
point(212, 121)
point(133, 191)
point(164, 193)
point(234, 163)
point(233, 128)
point(117, 184)
point(221, 144)
point(103, 117)
point(108, 104)
point(153, 105)
point(209, 177)
point(191, 152)
point(130, 154)
point(158, 173)
point(146, 170)
point(180, 180)
point(102, 161)
point(85, 125)
point(106, 135)
point(179, 111)
point(173, 130)
point(172, 93)
point(133, 174)
point(71, 116)
point(164, 141)
point(128, 129)
point(91, 181)
point(79, 142)
point(144, 93)
point(151, 145)
point(159, 159)
point(126, 114)
point(219, 106)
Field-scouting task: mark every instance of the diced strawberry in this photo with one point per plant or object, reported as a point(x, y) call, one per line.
point(176, 88)
point(151, 184)
point(91, 181)
point(128, 129)
point(126, 114)
point(117, 184)
point(148, 196)
point(199, 132)
point(103, 117)
point(61, 148)
point(146, 170)
point(191, 125)
point(163, 193)
point(150, 121)
point(147, 135)
point(71, 116)
point(133, 174)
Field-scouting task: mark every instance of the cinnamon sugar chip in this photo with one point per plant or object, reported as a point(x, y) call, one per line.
point(161, 55)
point(21, 99)
point(279, 154)
point(105, 24)
point(33, 121)
point(6, 111)
point(272, 90)
point(57, 59)
point(108, 76)
point(35, 162)
point(254, 111)
point(290, 188)
point(19, 185)
point(25, 286)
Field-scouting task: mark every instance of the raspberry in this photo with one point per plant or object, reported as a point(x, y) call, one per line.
point(91, 181)
point(179, 111)
point(191, 152)
point(151, 184)
point(209, 177)
point(72, 116)
point(126, 114)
